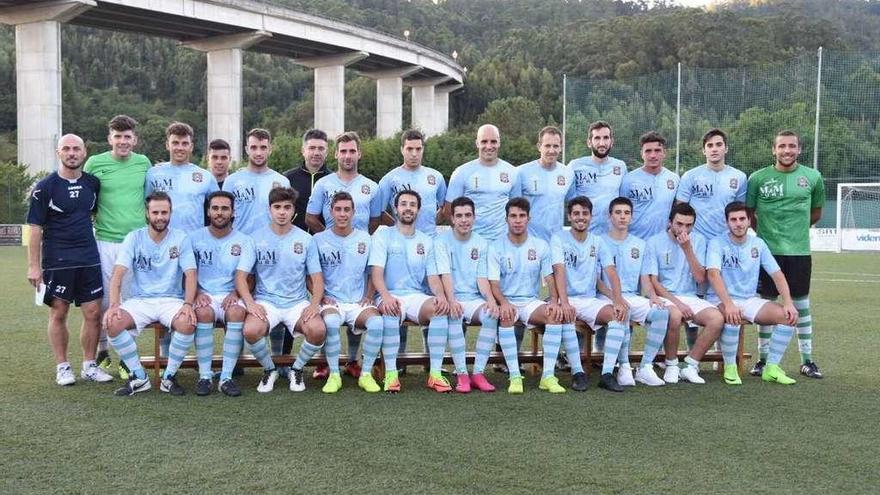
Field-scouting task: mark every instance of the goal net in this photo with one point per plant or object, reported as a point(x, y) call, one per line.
point(858, 216)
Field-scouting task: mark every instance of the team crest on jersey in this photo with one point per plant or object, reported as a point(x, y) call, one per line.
point(276, 185)
point(197, 177)
point(616, 170)
point(734, 183)
point(803, 182)
point(365, 189)
point(560, 180)
point(634, 253)
point(670, 184)
point(432, 180)
point(173, 252)
point(297, 247)
point(362, 247)
point(592, 251)
point(533, 255)
point(755, 253)
point(475, 254)
point(420, 249)
point(235, 250)
point(505, 178)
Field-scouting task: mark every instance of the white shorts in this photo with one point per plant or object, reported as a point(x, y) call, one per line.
point(410, 305)
point(349, 313)
point(750, 307)
point(108, 251)
point(525, 310)
point(695, 303)
point(289, 316)
point(216, 306)
point(146, 310)
point(639, 306)
point(469, 310)
point(587, 309)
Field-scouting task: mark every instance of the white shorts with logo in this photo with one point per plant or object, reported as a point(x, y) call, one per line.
point(410, 305)
point(349, 313)
point(639, 306)
point(695, 303)
point(108, 251)
point(146, 310)
point(289, 316)
point(750, 307)
point(587, 309)
point(217, 308)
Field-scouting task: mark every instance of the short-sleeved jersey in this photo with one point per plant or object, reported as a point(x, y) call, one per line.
point(156, 269)
point(740, 264)
point(466, 261)
point(407, 260)
point(489, 187)
point(519, 268)
point(121, 203)
point(218, 259)
point(583, 261)
point(426, 181)
point(365, 192)
point(251, 191)
point(546, 190)
point(666, 260)
point(280, 264)
point(629, 260)
point(782, 202)
point(188, 185)
point(63, 208)
point(601, 183)
point(709, 192)
point(344, 263)
point(652, 197)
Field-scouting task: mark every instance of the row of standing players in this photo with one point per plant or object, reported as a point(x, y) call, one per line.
point(488, 180)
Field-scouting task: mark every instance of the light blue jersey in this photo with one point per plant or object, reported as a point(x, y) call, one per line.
point(489, 187)
point(519, 268)
point(652, 197)
point(156, 269)
point(583, 261)
point(629, 260)
point(188, 185)
point(218, 259)
point(281, 264)
point(344, 264)
point(709, 192)
point(364, 192)
point(407, 260)
point(546, 190)
point(426, 181)
point(251, 192)
point(601, 183)
point(740, 264)
point(666, 260)
point(466, 261)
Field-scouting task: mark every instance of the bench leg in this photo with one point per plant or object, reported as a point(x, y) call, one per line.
point(740, 349)
point(158, 333)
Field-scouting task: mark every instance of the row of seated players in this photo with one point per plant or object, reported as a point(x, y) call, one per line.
point(313, 285)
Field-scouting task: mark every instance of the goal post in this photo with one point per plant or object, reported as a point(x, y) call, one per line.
point(858, 216)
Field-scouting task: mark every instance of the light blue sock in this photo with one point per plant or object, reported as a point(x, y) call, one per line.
point(778, 342)
point(658, 321)
point(572, 347)
point(457, 344)
point(616, 331)
point(332, 345)
point(623, 353)
point(729, 343)
point(306, 351)
point(232, 343)
point(372, 343)
point(180, 343)
point(126, 347)
point(390, 342)
point(550, 344)
point(438, 331)
point(205, 349)
point(260, 350)
point(507, 339)
point(485, 342)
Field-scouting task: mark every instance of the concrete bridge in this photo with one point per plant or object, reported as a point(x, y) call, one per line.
point(223, 29)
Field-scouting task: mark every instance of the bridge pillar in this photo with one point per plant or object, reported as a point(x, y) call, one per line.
point(441, 106)
point(423, 103)
point(389, 99)
point(225, 85)
point(38, 76)
point(330, 89)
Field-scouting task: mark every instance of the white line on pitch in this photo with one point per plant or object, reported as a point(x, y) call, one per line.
point(858, 281)
point(849, 273)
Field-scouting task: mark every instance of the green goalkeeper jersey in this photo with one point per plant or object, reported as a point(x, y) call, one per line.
point(782, 202)
point(121, 201)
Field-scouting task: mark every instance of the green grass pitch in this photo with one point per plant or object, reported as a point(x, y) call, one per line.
point(819, 436)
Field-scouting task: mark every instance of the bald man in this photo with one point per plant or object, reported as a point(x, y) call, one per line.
point(63, 261)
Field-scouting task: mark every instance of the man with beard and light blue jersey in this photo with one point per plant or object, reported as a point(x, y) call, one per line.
point(404, 272)
point(283, 257)
point(488, 181)
point(365, 192)
point(712, 186)
point(663, 319)
point(578, 258)
point(251, 185)
point(651, 188)
point(218, 249)
point(545, 183)
point(343, 252)
point(163, 287)
point(186, 183)
point(734, 262)
point(414, 176)
point(598, 176)
point(462, 263)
